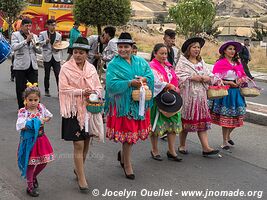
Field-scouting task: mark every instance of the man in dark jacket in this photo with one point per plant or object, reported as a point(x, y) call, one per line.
point(245, 57)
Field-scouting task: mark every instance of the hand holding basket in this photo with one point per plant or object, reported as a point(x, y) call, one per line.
point(218, 91)
point(250, 91)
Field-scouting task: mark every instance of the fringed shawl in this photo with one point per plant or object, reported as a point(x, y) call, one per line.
point(28, 138)
point(118, 93)
point(155, 64)
point(194, 93)
point(223, 65)
point(72, 81)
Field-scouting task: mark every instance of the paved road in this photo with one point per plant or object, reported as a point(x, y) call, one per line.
point(244, 169)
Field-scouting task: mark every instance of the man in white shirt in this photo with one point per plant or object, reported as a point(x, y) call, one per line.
point(51, 56)
point(25, 62)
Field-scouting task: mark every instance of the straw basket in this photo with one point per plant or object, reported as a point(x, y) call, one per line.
point(252, 91)
point(216, 92)
point(95, 107)
point(136, 94)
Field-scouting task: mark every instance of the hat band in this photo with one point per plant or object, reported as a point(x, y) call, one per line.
point(125, 41)
point(78, 45)
point(168, 104)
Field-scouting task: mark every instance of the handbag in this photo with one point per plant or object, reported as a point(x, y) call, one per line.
point(250, 91)
point(218, 91)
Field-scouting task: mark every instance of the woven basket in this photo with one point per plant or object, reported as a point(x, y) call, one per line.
point(95, 107)
point(250, 92)
point(217, 92)
point(136, 94)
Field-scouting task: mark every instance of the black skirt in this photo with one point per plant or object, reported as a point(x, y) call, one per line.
point(71, 130)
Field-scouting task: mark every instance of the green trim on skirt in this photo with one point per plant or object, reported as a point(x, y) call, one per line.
point(172, 124)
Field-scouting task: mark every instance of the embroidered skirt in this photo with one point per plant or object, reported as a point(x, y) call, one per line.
point(71, 130)
point(228, 111)
point(42, 151)
point(127, 129)
point(165, 124)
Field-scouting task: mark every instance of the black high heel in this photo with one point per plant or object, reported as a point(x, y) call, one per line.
point(119, 159)
point(173, 158)
point(129, 176)
point(83, 189)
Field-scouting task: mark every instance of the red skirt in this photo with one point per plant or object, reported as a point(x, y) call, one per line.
point(42, 151)
point(125, 129)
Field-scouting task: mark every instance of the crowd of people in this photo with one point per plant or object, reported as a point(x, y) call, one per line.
point(176, 79)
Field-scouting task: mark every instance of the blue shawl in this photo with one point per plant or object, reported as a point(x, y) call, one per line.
point(118, 93)
point(28, 138)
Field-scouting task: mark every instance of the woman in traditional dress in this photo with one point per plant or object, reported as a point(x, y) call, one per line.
point(77, 80)
point(228, 112)
point(164, 79)
point(194, 78)
point(125, 123)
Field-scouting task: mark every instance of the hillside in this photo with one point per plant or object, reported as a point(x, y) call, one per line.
point(241, 8)
point(236, 8)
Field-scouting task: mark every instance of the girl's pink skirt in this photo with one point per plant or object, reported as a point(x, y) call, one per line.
point(42, 151)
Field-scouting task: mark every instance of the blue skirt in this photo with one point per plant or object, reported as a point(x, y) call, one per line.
point(228, 111)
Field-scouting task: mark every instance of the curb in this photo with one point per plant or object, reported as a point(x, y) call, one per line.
point(255, 116)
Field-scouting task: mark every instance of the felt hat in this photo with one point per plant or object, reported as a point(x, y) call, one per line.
point(169, 101)
point(81, 43)
point(189, 41)
point(125, 38)
point(237, 46)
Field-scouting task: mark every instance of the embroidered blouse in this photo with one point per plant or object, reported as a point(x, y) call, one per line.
point(24, 115)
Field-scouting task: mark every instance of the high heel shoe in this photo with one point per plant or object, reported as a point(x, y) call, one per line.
point(119, 159)
point(129, 176)
point(75, 174)
point(173, 158)
point(83, 189)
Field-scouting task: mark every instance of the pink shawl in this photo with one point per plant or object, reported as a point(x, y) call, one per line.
point(155, 64)
point(223, 65)
point(72, 81)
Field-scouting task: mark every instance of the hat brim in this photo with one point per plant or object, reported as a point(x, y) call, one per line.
point(237, 46)
point(125, 41)
point(81, 46)
point(173, 108)
point(186, 44)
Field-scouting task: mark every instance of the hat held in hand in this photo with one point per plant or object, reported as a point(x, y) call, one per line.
point(169, 102)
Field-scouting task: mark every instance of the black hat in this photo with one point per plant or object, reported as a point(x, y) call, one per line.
point(125, 38)
point(169, 101)
point(200, 40)
point(169, 32)
point(81, 43)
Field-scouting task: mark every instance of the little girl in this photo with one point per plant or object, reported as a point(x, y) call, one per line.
point(34, 150)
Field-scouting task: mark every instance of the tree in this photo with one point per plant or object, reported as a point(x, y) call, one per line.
point(10, 11)
point(193, 16)
point(102, 12)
